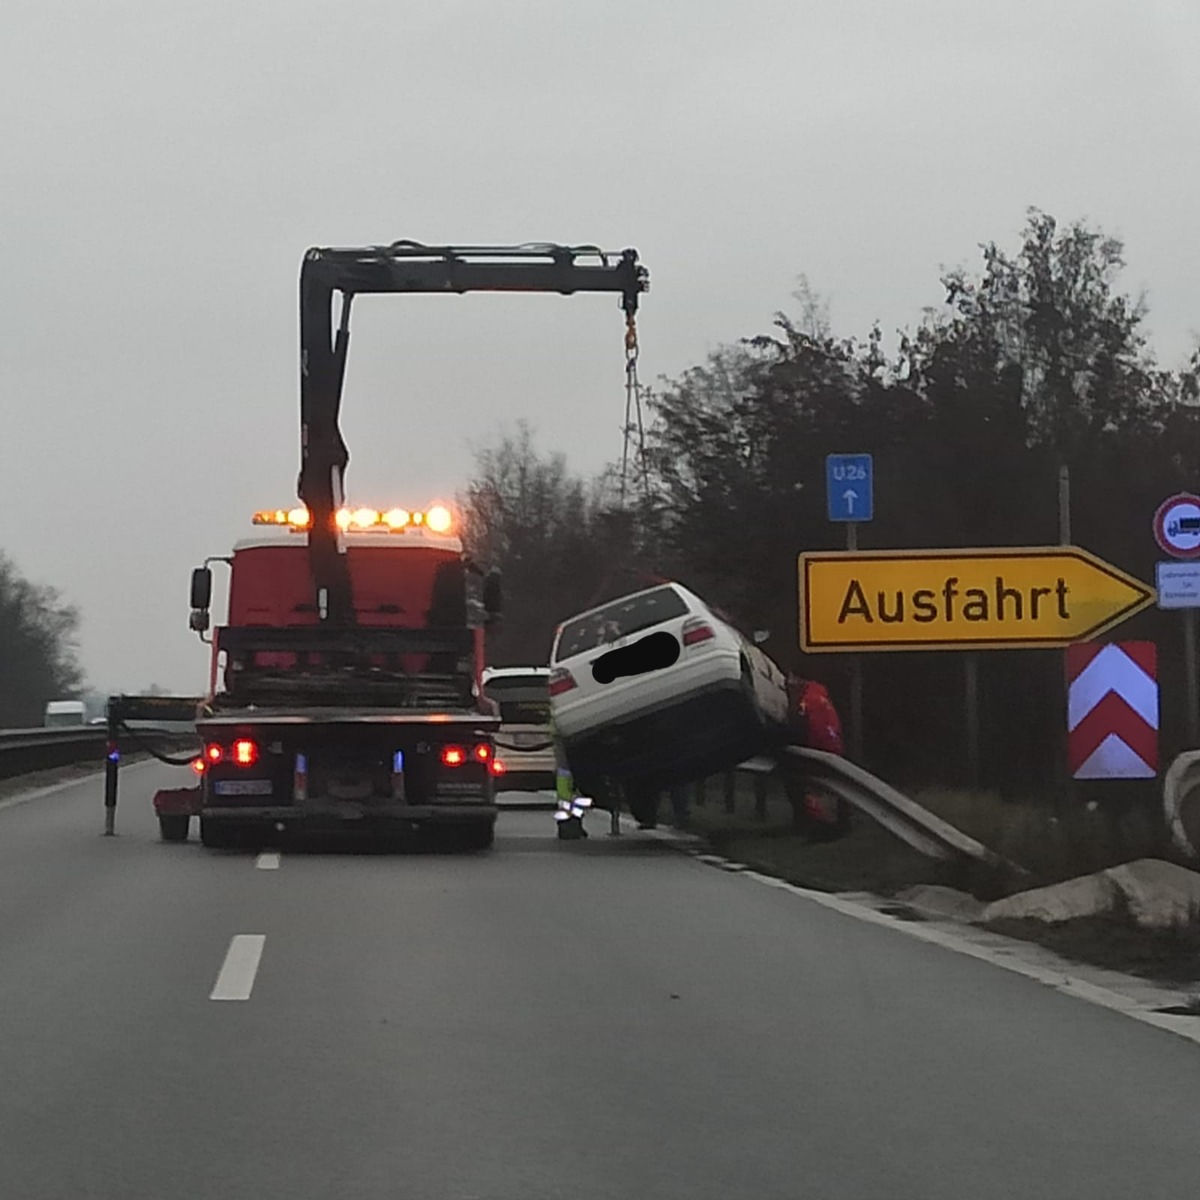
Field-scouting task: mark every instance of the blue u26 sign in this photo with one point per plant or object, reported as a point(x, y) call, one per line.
point(849, 487)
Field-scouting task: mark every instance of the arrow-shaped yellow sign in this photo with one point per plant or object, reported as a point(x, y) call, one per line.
point(999, 599)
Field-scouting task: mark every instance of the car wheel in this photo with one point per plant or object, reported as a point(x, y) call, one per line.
point(217, 835)
point(754, 712)
point(643, 804)
point(478, 836)
point(174, 826)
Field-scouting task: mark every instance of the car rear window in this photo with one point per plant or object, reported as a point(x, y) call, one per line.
point(619, 619)
point(523, 699)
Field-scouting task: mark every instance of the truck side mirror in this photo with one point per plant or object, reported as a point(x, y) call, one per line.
point(201, 599)
point(493, 595)
point(202, 587)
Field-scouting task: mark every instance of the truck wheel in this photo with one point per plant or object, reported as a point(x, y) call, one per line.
point(174, 826)
point(215, 835)
point(478, 837)
point(643, 804)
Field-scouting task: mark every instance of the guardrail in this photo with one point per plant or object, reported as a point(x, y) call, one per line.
point(902, 816)
point(25, 750)
point(1181, 779)
point(899, 814)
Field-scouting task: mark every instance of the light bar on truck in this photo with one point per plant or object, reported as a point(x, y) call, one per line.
point(437, 518)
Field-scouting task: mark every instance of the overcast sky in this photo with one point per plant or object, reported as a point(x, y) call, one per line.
point(166, 165)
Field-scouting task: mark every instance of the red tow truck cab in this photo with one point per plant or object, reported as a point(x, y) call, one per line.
point(378, 724)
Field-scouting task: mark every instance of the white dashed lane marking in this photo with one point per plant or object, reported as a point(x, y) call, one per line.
point(268, 860)
point(236, 980)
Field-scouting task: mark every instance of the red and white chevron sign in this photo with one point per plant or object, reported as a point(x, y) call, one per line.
point(1112, 710)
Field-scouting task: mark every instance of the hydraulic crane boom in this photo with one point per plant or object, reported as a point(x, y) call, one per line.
point(406, 266)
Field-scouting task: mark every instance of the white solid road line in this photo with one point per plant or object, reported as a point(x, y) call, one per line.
point(268, 860)
point(236, 980)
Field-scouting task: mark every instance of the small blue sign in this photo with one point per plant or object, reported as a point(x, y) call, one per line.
point(850, 487)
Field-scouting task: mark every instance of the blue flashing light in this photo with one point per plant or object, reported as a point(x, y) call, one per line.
point(398, 763)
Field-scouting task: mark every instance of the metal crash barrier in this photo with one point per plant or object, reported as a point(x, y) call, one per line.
point(1181, 780)
point(902, 816)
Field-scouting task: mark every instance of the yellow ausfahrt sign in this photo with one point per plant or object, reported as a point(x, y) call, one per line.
point(999, 599)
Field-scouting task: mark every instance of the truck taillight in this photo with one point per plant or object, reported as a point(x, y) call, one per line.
point(561, 680)
point(453, 756)
point(697, 630)
point(245, 752)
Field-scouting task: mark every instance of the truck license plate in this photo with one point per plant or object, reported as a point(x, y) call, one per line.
point(242, 787)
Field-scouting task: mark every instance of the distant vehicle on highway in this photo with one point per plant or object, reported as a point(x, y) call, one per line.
point(524, 743)
point(657, 688)
point(63, 713)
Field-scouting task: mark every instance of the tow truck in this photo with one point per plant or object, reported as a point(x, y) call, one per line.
point(345, 688)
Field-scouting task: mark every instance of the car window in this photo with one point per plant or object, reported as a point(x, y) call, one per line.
point(523, 699)
point(619, 619)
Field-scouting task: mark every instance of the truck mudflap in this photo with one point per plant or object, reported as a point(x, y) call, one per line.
point(178, 802)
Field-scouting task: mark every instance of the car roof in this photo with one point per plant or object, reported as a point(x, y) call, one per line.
point(691, 598)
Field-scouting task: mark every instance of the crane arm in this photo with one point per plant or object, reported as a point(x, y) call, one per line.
point(407, 267)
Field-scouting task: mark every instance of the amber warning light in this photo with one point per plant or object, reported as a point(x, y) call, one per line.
point(437, 519)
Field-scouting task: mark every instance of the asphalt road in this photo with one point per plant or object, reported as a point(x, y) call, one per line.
point(558, 1020)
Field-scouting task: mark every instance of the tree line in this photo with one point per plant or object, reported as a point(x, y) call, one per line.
point(38, 660)
point(1035, 360)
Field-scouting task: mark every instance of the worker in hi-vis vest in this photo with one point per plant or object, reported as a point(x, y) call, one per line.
point(571, 805)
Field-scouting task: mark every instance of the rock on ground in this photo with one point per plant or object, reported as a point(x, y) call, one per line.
point(1085, 896)
point(933, 900)
point(1158, 894)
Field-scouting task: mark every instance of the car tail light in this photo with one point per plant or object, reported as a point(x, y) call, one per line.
point(498, 768)
point(245, 752)
point(197, 765)
point(697, 630)
point(453, 756)
point(561, 680)
point(482, 752)
point(213, 752)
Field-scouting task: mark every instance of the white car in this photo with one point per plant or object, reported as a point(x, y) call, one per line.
point(524, 743)
point(657, 688)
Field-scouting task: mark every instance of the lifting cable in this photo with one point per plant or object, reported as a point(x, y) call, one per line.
point(633, 413)
point(145, 746)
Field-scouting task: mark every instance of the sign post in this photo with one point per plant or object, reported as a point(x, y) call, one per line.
point(850, 498)
point(1177, 532)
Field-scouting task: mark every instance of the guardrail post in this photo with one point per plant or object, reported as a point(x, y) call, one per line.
point(760, 796)
point(730, 792)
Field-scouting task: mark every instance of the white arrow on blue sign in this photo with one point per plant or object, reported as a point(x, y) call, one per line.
point(849, 487)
